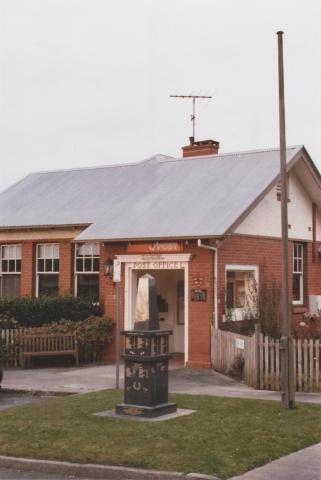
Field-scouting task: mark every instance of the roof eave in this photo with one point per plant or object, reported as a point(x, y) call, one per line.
point(145, 239)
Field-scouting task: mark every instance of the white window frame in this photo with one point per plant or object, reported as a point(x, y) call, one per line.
point(238, 312)
point(53, 257)
point(298, 271)
point(17, 256)
point(93, 256)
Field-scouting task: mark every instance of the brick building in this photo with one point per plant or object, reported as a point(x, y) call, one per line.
point(207, 226)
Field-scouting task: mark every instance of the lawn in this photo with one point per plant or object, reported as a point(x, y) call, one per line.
point(225, 436)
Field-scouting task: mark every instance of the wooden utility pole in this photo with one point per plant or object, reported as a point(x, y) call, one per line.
point(287, 381)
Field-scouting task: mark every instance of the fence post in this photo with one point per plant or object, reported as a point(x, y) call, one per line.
point(257, 332)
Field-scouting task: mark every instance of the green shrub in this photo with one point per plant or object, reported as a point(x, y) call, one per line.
point(93, 335)
point(34, 312)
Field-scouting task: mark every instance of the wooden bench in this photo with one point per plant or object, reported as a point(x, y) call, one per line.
point(47, 344)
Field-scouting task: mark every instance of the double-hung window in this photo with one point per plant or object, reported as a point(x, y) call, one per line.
point(297, 285)
point(10, 270)
point(87, 271)
point(47, 269)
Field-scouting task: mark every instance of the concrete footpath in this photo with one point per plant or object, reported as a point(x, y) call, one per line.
point(99, 377)
point(302, 465)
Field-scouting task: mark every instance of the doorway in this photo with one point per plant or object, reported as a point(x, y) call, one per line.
point(170, 301)
point(171, 275)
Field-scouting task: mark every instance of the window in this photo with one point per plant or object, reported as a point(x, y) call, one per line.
point(87, 271)
point(10, 270)
point(47, 269)
point(241, 291)
point(297, 286)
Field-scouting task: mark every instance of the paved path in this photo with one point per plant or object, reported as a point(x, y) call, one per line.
point(8, 400)
point(302, 465)
point(93, 378)
point(10, 474)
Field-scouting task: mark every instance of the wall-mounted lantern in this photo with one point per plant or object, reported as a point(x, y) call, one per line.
point(109, 268)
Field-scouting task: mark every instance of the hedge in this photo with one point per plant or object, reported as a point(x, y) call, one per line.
point(35, 312)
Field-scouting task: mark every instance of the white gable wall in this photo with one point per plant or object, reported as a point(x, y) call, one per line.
point(265, 219)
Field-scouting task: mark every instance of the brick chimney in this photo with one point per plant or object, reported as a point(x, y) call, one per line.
point(202, 147)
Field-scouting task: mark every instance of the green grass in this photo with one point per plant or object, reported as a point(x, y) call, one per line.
point(225, 436)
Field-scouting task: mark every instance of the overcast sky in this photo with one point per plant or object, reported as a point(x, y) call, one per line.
point(87, 82)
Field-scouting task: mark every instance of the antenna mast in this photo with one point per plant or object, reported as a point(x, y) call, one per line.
point(193, 97)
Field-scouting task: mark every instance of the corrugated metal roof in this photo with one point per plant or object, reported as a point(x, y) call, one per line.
point(158, 198)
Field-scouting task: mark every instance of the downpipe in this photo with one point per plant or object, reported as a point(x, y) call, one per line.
point(215, 266)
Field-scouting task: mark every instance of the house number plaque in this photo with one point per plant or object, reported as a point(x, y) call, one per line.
point(199, 295)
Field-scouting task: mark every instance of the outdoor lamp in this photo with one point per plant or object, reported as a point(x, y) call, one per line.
point(109, 267)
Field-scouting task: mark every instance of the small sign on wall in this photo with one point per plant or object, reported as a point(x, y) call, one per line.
point(199, 295)
point(239, 343)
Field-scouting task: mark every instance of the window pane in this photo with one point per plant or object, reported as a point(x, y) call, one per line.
point(88, 287)
point(79, 265)
point(96, 249)
point(230, 295)
point(18, 252)
point(5, 252)
point(12, 265)
point(296, 287)
point(41, 251)
point(96, 265)
point(48, 284)
point(48, 265)
point(18, 266)
point(48, 251)
point(55, 249)
point(300, 250)
point(56, 265)
point(299, 266)
point(4, 265)
point(41, 265)
point(240, 293)
point(10, 285)
point(88, 265)
point(79, 250)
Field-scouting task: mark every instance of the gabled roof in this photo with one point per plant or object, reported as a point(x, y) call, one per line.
point(161, 197)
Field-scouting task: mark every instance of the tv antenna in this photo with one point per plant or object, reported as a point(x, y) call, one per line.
point(194, 98)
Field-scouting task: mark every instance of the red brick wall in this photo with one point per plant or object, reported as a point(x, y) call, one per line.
point(66, 268)
point(200, 313)
point(266, 253)
point(108, 293)
point(27, 269)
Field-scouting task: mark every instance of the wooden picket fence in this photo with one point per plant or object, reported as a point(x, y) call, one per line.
point(10, 341)
point(306, 364)
point(226, 346)
point(262, 360)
